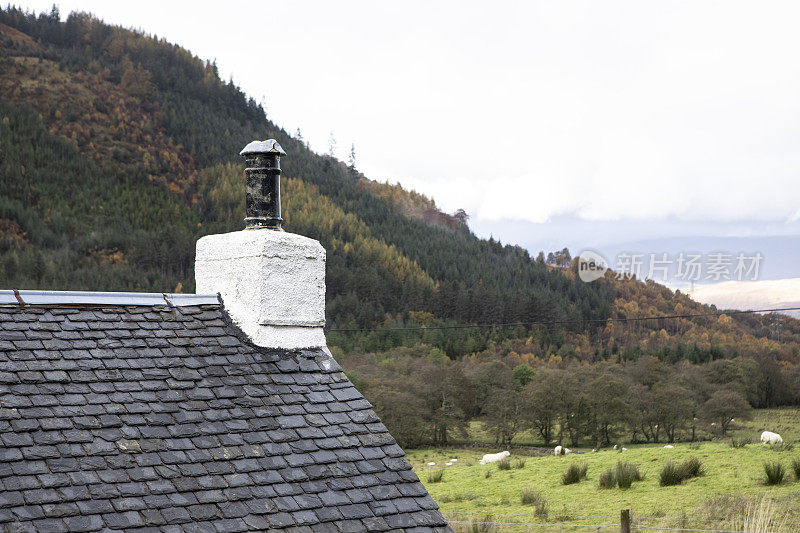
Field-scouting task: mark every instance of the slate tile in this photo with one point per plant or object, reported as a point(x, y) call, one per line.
point(153, 517)
point(14, 483)
point(83, 523)
point(129, 519)
point(11, 498)
point(50, 525)
point(383, 507)
point(176, 515)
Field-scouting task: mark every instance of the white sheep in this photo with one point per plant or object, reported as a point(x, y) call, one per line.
point(615, 447)
point(558, 450)
point(453, 460)
point(669, 446)
point(493, 457)
point(769, 437)
point(624, 449)
point(567, 450)
point(431, 464)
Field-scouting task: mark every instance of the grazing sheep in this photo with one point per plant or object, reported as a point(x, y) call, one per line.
point(624, 449)
point(567, 450)
point(453, 460)
point(558, 450)
point(493, 457)
point(594, 450)
point(615, 447)
point(769, 437)
point(669, 446)
point(431, 464)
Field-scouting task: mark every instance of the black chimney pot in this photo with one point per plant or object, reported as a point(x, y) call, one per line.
point(263, 184)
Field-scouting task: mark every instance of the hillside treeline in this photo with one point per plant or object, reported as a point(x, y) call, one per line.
point(426, 399)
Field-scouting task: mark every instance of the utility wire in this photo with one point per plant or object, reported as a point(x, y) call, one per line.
point(566, 321)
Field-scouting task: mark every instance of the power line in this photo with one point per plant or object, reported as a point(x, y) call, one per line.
point(565, 321)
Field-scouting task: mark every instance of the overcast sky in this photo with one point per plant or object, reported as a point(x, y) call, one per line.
point(662, 112)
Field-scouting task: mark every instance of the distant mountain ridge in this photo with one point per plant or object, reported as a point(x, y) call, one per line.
point(748, 295)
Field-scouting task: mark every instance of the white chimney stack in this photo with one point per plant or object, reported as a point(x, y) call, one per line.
point(272, 283)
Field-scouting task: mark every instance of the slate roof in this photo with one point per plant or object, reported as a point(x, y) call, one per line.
point(166, 418)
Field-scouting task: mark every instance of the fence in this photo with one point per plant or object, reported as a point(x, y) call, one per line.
point(625, 523)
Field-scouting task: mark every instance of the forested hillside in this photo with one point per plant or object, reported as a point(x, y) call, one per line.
point(119, 150)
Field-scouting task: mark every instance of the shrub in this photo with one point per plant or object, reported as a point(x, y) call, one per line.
point(608, 479)
point(519, 463)
point(529, 496)
point(775, 472)
point(740, 443)
point(504, 464)
point(626, 474)
point(796, 469)
point(436, 476)
point(574, 474)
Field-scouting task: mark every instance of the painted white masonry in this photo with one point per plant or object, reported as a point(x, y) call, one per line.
point(272, 284)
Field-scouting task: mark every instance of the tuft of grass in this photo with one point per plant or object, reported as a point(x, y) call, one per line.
point(740, 443)
point(691, 467)
point(574, 474)
point(764, 516)
point(504, 464)
point(608, 479)
point(460, 497)
point(483, 524)
point(755, 514)
point(530, 496)
point(670, 475)
point(488, 474)
point(626, 474)
point(796, 469)
point(775, 472)
point(673, 474)
point(519, 463)
point(781, 447)
point(436, 476)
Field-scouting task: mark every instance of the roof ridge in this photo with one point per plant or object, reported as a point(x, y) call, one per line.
point(38, 298)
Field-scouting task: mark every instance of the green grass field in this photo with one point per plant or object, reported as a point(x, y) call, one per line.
point(734, 477)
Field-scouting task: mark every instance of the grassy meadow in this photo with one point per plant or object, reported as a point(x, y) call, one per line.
point(733, 479)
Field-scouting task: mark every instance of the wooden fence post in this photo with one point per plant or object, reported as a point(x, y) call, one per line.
point(625, 521)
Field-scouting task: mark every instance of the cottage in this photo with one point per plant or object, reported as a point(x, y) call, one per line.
point(219, 411)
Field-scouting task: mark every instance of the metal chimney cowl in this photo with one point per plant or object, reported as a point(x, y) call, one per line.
point(272, 283)
point(263, 184)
